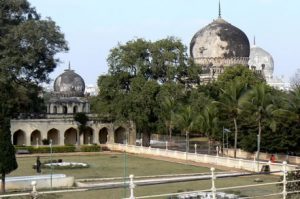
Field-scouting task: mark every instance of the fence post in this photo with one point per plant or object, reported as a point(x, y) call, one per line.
point(34, 194)
point(213, 187)
point(195, 148)
point(131, 186)
point(284, 181)
point(166, 145)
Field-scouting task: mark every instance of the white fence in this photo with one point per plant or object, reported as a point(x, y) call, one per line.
point(213, 191)
point(248, 165)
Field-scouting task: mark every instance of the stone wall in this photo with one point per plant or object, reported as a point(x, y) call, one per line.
point(243, 164)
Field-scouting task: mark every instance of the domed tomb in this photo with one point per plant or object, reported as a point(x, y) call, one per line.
point(261, 61)
point(68, 96)
point(220, 44)
point(69, 83)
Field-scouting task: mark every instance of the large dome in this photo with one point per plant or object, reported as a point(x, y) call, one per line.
point(219, 39)
point(261, 60)
point(69, 83)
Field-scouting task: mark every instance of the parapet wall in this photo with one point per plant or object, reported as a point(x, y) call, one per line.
point(248, 165)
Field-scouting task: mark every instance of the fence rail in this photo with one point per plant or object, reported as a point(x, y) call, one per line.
point(213, 190)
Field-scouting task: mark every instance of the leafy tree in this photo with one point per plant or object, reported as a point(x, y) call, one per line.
point(208, 122)
point(229, 104)
point(186, 120)
point(259, 102)
point(137, 71)
point(240, 74)
point(81, 119)
point(28, 45)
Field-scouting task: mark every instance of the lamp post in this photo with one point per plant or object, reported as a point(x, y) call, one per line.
point(51, 164)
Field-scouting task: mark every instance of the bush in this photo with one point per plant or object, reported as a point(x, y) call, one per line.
point(90, 148)
point(291, 186)
point(46, 142)
point(46, 149)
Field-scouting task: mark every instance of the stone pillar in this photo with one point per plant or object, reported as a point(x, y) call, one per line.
point(96, 136)
point(61, 137)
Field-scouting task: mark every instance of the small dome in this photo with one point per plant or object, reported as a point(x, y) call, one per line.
point(261, 60)
point(220, 39)
point(69, 83)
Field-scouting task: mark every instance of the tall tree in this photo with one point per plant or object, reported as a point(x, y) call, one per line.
point(259, 102)
point(137, 70)
point(229, 104)
point(186, 120)
point(28, 45)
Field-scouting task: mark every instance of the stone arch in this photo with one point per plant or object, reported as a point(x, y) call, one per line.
point(65, 109)
point(88, 135)
point(53, 134)
point(55, 109)
point(35, 138)
point(103, 133)
point(19, 138)
point(75, 109)
point(71, 136)
point(120, 135)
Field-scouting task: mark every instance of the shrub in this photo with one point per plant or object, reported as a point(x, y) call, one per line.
point(90, 148)
point(291, 186)
point(45, 141)
point(46, 149)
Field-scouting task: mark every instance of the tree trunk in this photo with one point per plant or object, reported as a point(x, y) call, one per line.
point(3, 183)
point(209, 146)
point(146, 139)
point(235, 136)
point(258, 140)
point(170, 132)
point(187, 142)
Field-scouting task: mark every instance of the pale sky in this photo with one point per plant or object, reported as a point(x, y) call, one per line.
point(93, 27)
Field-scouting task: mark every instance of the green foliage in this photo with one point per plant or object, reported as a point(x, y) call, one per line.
point(8, 161)
point(291, 186)
point(239, 74)
point(46, 149)
point(28, 45)
point(90, 148)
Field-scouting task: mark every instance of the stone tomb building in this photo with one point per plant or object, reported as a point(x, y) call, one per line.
point(58, 124)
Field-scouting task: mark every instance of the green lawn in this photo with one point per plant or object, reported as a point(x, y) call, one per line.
point(103, 165)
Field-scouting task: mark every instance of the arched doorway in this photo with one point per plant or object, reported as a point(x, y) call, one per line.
point(53, 135)
point(70, 136)
point(35, 138)
point(65, 109)
point(75, 109)
point(19, 138)
point(55, 110)
point(103, 135)
point(120, 135)
point(88, 136)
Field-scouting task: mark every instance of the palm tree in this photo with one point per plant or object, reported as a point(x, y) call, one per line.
point(168, 109)
point(186, 120)
point(229, 103)
point(259, 102)
point(208, 122)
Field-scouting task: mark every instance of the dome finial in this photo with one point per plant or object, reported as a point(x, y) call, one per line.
point(220, 9)
point(69, 65)
point(254, 42)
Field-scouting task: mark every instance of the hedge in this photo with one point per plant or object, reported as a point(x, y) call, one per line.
point(46, 149)
point(56, 149)
point(90, 148)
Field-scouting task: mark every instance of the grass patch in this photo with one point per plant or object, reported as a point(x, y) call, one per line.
point(103, 165)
